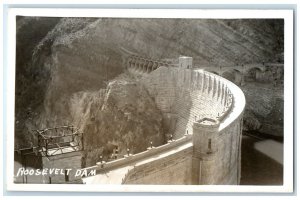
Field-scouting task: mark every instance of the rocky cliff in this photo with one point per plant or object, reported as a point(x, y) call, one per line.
point(123, 115)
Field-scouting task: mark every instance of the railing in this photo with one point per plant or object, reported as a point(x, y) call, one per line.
point(133, 158)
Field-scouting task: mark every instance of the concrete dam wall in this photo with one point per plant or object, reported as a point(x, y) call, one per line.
point(185, 96)
point(203, 113)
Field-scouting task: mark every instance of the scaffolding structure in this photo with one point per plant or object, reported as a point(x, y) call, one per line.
point(53, 141)
point(59, 140)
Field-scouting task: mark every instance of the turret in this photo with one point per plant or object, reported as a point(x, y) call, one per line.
point(205, 136)
point(185, 62)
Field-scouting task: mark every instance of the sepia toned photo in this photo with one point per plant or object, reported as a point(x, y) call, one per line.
point(149, 101)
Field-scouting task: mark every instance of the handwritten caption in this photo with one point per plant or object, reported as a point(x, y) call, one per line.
point(54, 171)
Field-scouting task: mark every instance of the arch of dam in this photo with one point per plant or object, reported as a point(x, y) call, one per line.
point(203, 113)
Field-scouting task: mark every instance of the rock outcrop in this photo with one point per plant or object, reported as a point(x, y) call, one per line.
point(123, 115)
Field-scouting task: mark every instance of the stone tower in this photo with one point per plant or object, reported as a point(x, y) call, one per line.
point(185, 62)
point(205, 132)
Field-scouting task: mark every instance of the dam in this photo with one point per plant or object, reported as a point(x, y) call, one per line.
point(203, 113)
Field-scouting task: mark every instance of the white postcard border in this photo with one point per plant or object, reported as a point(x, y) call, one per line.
point(287, 15)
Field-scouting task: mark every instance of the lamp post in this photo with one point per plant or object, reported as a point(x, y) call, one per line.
point(128, 151)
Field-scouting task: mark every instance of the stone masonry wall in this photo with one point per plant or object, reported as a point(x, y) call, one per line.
point(228, 155)
point(173, 169)
point(187, 94)
point(216, 154)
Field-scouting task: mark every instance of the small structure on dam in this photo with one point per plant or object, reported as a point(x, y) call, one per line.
point(185, 62)
point(205, 147)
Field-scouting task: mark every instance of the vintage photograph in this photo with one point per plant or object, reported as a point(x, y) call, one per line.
point(149, 101)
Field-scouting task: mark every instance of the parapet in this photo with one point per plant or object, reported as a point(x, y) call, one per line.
point(207, 122)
